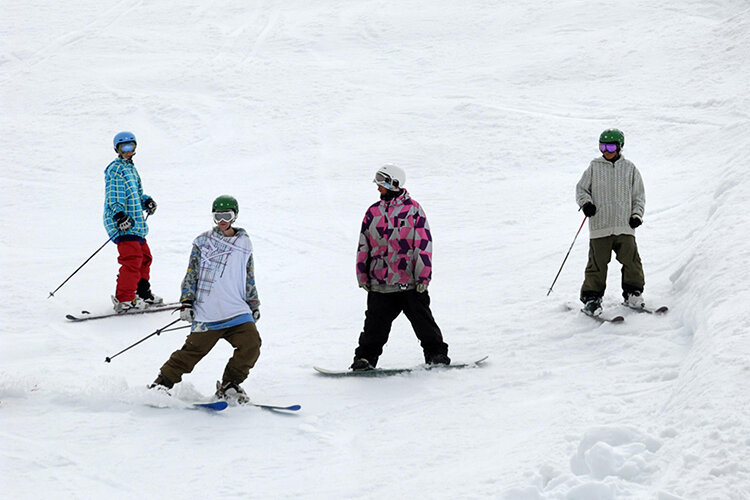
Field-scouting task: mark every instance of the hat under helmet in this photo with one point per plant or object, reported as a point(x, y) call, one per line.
point(225, 202)
point(390, 177)
point(612, 136)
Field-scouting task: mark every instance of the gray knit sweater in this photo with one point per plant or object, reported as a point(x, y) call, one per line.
point(618, 193)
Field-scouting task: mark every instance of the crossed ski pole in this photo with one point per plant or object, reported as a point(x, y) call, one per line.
point(164, 328)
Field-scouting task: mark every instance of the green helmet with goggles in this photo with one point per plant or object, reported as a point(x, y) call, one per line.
point(224, 203)
point(612, 136)
point(225, 208)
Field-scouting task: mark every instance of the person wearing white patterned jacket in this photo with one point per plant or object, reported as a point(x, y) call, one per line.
point(612, 196)
point(220, 300)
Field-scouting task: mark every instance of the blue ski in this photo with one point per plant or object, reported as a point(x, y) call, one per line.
point(216, 405)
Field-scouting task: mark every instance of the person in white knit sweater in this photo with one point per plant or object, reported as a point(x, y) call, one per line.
point(612, 196)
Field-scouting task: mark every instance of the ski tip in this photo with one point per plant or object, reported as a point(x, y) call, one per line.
point(617, 319)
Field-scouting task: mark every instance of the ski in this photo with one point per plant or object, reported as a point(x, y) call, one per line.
point(86, 315)
point(386, 372)
point(605, 318)
point(649, 310)
point(275, 407)
point(215, 405)
point(602, 318)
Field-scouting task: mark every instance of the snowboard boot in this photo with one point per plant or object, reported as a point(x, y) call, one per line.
point(593, 306)
point(634, 300)
point(438, 359)
point(144, 292)
point(231, 393)
point(361, 364)
point(133, 305)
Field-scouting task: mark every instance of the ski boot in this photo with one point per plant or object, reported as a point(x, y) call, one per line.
point(231, 393)
point(134, 305)
point(593, 307)
point(144, 292)
point(634, 300)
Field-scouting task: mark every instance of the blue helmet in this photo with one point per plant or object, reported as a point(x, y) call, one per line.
point(124, 137)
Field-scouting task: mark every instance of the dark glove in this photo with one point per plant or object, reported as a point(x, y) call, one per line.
point(256, 314)
point(186, 311)
point(150, 205)
point(123, 221)
point(635, 222)
point(589, 209)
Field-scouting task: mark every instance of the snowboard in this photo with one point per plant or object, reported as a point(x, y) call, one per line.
point(86, 315)
point(387, 372)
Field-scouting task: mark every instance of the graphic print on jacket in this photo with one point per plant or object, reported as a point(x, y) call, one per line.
point(220, 279)
point(395, 245)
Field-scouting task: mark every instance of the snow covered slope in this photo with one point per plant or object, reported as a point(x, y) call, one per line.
point(493, 109)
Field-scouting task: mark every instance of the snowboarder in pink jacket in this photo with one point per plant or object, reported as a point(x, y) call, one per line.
point(394, 266)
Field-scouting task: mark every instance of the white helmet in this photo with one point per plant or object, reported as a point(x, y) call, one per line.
point(390, 177)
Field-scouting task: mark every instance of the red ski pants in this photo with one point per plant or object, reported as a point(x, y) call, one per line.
point(135, 264)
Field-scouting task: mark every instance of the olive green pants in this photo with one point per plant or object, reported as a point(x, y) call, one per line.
point(600, 254)
point(244, 338)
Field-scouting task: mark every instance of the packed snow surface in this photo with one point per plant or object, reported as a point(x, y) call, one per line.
point(494, 110)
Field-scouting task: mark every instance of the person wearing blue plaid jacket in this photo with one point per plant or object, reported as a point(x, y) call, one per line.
point(124, 204)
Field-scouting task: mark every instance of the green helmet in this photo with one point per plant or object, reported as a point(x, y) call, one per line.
point(225, 202)
point(612, 136)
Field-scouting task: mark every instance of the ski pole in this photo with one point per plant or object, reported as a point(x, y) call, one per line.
point(566, 255)
point(108, 359)
point(52, 294)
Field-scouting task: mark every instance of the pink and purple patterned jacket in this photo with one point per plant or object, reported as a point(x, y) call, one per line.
point(395, 246)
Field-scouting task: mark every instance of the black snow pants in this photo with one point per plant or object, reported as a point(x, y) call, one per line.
point(383, 309)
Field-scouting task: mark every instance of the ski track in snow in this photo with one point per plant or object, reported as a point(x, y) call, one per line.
point(493, 109)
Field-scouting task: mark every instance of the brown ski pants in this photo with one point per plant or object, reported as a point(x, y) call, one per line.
point(244, 338)
point(600, 254)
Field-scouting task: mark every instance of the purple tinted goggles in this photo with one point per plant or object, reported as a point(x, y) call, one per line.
point(610, 148)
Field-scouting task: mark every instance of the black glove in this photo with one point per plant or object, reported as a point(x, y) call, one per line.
point(150, 205)
point(589, 209)
point(256, 314)
point(635, 222)
point(186, 311)
point(123, 221)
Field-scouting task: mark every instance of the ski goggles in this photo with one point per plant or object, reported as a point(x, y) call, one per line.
point(609, 148)
point(127, 147)
point(226, 216)
point(385, 180)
